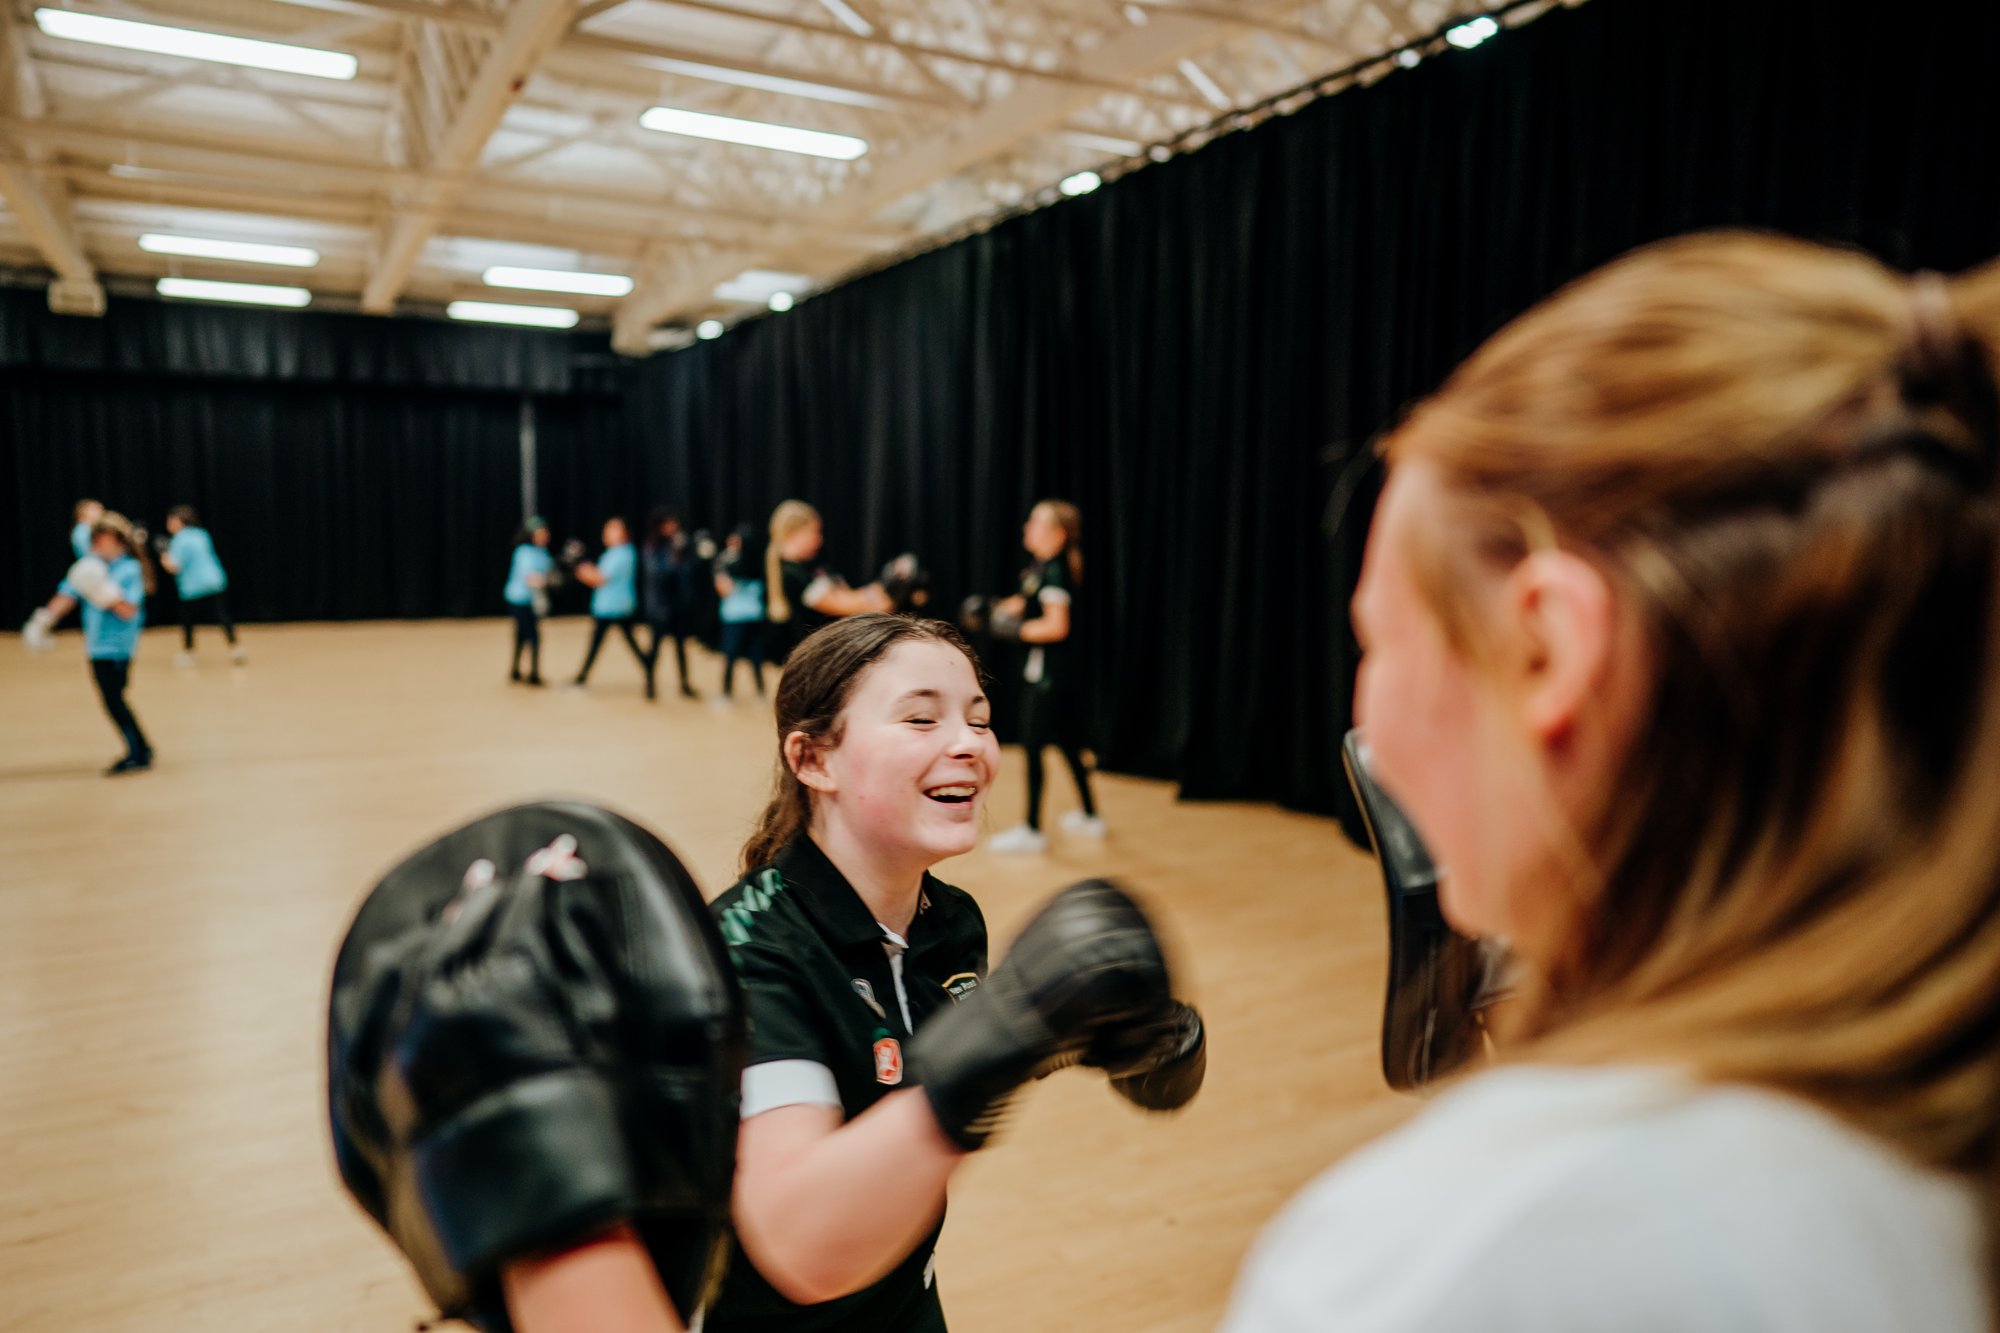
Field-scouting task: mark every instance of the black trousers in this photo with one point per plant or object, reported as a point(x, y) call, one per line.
point(112, 674)
point(220, 601)
point(527, 634)
point(599, 627)
point(663, 631)
point(1053, 716)
point(743, 641)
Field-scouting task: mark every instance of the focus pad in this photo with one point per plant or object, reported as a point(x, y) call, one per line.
point(666, 1052)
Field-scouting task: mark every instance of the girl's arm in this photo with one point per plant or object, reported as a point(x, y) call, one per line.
point(834, 600)
point(605, 1285)
point(590, 576)
point(1051, 626)
point(824, 1208)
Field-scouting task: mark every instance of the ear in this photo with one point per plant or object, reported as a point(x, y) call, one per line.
point(1563, 615)
point(808, 763)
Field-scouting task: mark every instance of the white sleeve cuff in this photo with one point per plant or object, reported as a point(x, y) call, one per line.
point(777, 1083)
point(1053, 597)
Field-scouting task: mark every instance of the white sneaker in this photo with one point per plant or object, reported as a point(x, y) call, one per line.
point(183, 659)
point(238, 656)
point(1084, 826)
point(1018, 840)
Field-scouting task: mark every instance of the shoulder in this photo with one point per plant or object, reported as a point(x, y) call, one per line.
point(129, 577)
point(1054, 582)
point(958, 918)
point(758, 912)
point(1558, 1199)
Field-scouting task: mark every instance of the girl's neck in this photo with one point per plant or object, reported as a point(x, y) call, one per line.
point(888, 882)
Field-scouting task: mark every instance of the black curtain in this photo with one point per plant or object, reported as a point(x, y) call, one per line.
point(325, 502)
point(1197, 353)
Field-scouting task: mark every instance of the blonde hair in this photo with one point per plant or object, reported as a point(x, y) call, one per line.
point(121, 527)
point(1070, 519)
point(786, 519)
point(1783, 458)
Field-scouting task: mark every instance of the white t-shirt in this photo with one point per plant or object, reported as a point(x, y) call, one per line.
point(1539, 1200)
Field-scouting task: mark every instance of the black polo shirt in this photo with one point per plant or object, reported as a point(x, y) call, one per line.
point(826, 986)
point(783, 636)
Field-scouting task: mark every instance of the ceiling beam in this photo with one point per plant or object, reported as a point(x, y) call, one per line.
point(41, 208)
point(43, 216)
point(1070, 77)
point(252, 164)
point(1131, 55)
point(532, 27)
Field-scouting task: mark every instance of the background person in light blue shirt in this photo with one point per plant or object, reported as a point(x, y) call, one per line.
point(111, 633)
point(614, 600)
point(198, 578)
point(38, 633)
point(527, 594)
point(739, 584)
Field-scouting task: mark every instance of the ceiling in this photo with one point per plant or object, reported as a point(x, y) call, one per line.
point(484, 132)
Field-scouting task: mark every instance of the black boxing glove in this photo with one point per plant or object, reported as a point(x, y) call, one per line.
point(517, 1069)
point(973, 612)
point(1158, 1065)
point(1087, 970)
point(906, 582)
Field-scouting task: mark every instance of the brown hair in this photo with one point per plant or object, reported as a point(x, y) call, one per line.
point(786, 519)
point(1070, 519)
point(121, 527)
point(1783, 458)
point(820, 677)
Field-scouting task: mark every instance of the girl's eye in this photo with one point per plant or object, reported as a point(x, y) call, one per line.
point(921, 721)
point(982, 724)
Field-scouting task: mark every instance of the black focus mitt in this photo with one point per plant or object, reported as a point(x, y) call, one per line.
point(534, 1035)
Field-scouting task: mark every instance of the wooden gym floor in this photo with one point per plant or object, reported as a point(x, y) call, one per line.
point(166, 940)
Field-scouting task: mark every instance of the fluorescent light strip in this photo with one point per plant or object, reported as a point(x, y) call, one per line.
point(1206, 86)
point(770, 83)
point(558, 280)
point(852, 21)
point(194, 45)
point(247, 252)
point(241, 293)
point(1104, 143)
point(1468, 35)
point(754, 133)
point(491, 312)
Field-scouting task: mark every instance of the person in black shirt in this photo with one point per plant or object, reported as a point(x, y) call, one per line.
point(881, 1049)
point(799, 595)
point(848, 948)
point(668, 569)
point(1055, 705)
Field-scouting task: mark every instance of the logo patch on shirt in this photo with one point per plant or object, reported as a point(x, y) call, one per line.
point(961, 984)
point(888, 1061)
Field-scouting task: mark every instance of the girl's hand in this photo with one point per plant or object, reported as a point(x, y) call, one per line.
point(1014, 607)
point(724, 585)
point(124, 610)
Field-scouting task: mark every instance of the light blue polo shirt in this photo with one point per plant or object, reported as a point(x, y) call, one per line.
point(745, 603)
point(200, 573)
point(106, 635)
point(529, 561)
point(618, 596)
point(79, 542)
